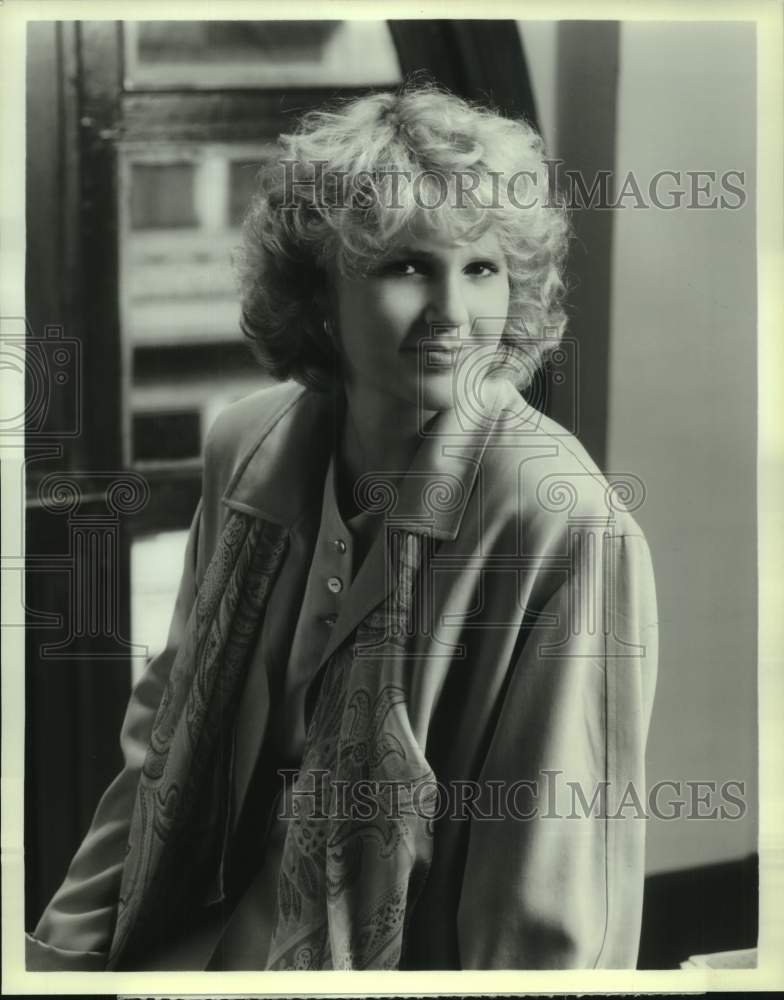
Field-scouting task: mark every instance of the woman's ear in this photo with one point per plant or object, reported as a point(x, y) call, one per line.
point(326, 300)
point(325, 313)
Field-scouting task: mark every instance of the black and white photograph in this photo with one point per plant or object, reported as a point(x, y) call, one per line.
point(389, 494)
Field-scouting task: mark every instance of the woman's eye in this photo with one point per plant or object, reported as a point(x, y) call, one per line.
point(410, 268)
point(482, 268)
point(402, 268)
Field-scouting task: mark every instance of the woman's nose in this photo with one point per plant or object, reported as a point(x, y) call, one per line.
point(446, 305)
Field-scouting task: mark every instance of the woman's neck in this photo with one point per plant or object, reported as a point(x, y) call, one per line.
point(377, 436)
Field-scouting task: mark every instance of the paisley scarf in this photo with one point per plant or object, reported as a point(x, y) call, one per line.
point(352, 867)
point(349, 876)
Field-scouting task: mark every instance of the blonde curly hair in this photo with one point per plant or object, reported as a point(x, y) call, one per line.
point(334, 193)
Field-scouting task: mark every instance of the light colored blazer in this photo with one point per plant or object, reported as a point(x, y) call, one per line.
point(533, 680)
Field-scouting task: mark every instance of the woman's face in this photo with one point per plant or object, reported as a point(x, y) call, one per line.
point(425, 289)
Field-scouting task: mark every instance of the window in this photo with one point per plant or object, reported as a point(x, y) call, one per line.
point(206, 55)
point(177, 238)
point(162, 196)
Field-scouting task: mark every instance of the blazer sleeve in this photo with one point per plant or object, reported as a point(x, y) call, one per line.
point(75, 930)
point(557, 881)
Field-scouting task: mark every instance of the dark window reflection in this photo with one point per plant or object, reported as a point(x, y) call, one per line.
point(210, 55)
point(167, 436)
point(224, 41)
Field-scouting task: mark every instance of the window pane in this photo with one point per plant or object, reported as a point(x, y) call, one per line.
point(211, 54)
point(162, 196)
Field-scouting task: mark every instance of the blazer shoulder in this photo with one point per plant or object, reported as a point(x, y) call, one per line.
point(543, 472)
point(248, 420)
point(238, 431)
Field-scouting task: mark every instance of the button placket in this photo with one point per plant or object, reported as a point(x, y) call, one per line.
point(334, 582)
point(337, 549)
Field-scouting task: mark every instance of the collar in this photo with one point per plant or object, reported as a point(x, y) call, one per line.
point(283, 474)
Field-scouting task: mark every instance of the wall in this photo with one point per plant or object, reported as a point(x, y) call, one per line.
point(540, 44)
point(682, 408)
point(679, 408)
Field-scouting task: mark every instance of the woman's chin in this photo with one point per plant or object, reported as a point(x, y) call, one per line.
point(438, 393)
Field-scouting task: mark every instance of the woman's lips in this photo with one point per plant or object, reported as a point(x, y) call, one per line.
point(440, 357)
point(437, 357)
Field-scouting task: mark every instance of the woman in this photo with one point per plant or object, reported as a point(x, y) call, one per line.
point(409, 676)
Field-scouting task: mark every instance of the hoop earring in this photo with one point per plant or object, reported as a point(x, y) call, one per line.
point(329, 332)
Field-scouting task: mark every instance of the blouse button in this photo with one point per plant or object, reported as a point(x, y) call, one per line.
point(335, 584)
point(329, 619)
point(340, 545)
